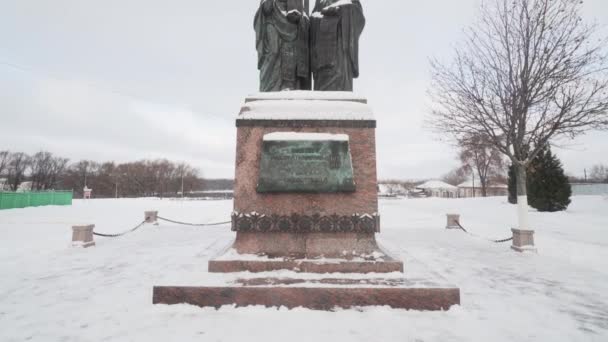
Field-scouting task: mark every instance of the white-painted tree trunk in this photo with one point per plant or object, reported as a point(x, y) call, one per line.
point(522, 213)
point(522, 198)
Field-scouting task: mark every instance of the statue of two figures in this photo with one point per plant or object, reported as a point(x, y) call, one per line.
point(292, 45)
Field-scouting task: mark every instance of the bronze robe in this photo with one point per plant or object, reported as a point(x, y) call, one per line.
point(335, 45)
point(282, 46)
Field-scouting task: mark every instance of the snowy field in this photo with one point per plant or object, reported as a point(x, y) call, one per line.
point(50, 291)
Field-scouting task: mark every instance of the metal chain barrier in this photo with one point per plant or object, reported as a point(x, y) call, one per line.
point(123, 233)
point(193, 224)
point(164, 219)
point(496, 241)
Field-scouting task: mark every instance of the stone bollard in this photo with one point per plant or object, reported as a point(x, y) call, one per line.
point(523, 240)
point(82, 236)
point(151, 216)
point(453, 221)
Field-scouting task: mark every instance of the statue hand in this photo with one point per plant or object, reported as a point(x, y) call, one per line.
point(294, 16)
point(331, 11)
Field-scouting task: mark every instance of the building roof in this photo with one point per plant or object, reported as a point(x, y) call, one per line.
point(469, 184)
point(436, 184)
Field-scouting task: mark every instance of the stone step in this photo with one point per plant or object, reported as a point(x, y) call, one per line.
point(316, 297)
point(307, 266)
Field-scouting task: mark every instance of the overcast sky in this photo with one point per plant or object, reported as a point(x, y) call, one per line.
point(130, 79)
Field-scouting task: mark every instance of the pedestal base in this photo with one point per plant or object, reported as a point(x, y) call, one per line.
point(322, 284)
point(377, 262)
point(82, 236)
point(525, 249)
point(523, 240)
point(316, 298)
point(305, 266)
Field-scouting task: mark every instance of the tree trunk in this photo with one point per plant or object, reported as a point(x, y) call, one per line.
point(483, 182)
point(522, 196)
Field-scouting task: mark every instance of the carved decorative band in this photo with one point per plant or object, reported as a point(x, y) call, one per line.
point(295, 223)
point(306, 123)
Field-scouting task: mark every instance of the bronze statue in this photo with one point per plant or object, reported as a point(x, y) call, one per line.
point(282, 40)
point(336, 26)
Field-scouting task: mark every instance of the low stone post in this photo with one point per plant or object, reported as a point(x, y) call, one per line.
point(453, 221)
point(82, 236)
point(151, 216)
point(523, 240)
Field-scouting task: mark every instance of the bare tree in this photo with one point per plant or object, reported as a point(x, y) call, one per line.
point(17, 169)
point(457, 175)
point(58, 167)
point(164, 173)
point(45, 169)
point(528, 71)
point(4, 160)
point(186, 179)
point(482, 157)
point(599, 173)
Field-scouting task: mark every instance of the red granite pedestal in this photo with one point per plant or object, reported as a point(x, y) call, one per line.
point(326, 242)
point(316, 298)
point(318, 284)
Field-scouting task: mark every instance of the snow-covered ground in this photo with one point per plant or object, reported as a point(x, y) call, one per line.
point(50, 291)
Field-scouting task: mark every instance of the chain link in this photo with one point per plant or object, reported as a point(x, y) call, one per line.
point(164, 219)
point(495, 241)
point(193, 224)
point(121, 234)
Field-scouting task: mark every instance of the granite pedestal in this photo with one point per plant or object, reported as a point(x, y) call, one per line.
point(82, 236)
point(523, 240)
point(318, 221)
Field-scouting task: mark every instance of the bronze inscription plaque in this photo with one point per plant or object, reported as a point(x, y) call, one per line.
point(306, 166)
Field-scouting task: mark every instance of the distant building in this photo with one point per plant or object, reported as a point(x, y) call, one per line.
point(86, 192)
point(24, 187)
point(4, 184)
point(468, 189)
point(437, 188)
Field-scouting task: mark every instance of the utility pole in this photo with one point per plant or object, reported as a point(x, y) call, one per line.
point(84, 196)
point(473, 175)
point(585, 175)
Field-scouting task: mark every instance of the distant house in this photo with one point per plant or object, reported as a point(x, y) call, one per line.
point(24, 187)
point(4, 184)
point(437, 188)
point(470, 189)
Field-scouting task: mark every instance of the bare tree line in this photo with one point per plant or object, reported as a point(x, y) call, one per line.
point(142, 178)
point(599, 174)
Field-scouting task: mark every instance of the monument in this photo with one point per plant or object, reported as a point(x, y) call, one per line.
point(305, 197)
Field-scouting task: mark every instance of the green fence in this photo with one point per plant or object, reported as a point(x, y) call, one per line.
point(11, 200)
